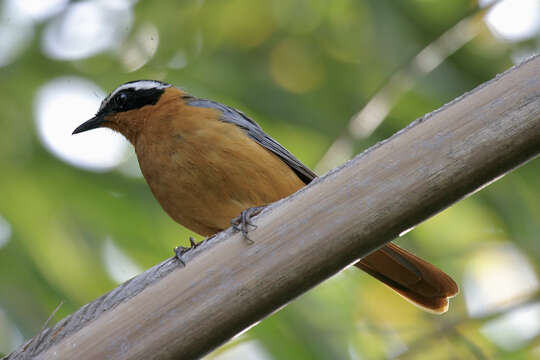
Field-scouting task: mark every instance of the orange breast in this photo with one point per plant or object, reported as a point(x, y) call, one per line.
point(204, 171)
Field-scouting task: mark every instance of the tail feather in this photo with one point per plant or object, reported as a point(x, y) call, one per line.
point(415, 279)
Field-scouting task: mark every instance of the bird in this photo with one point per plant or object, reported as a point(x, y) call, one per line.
point(207, 164)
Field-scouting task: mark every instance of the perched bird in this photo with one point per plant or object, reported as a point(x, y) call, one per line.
point(206, 163)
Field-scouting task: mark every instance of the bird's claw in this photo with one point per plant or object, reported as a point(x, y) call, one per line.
point(179, 251)
point(243, 222)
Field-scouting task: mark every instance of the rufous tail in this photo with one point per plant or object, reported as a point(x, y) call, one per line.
point(416, 280)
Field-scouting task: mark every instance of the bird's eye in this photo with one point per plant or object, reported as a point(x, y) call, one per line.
point(121, 100)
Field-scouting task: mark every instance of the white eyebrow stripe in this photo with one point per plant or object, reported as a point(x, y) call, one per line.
point(135, 85)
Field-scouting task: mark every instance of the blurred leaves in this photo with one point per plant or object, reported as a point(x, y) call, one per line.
point(302, 69)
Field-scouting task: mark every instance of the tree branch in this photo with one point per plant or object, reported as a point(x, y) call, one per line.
point(172, 312)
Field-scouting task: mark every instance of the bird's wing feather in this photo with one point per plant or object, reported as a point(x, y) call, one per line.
point(256, 133)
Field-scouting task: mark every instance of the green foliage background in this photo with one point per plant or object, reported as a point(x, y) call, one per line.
point(301, 69)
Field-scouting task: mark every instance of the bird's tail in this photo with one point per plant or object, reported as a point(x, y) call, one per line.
point(416, 280)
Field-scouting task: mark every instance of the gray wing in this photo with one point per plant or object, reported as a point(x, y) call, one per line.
point(256, 133)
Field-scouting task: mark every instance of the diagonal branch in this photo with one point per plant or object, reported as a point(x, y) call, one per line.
point(375, 111)
point(172, 312)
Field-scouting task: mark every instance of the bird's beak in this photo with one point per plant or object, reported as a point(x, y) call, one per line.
point(93, 123)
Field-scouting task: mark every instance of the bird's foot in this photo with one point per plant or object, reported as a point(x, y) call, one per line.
point(179, 251)
point(243, 222)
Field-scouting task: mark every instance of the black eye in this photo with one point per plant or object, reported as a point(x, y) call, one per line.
point(120, 100)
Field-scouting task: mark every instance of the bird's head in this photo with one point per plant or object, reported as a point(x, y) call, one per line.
point(126, 108)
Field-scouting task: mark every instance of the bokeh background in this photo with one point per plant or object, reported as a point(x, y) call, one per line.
point(327, 78)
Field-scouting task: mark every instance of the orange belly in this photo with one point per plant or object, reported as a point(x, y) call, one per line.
point(206, 175)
